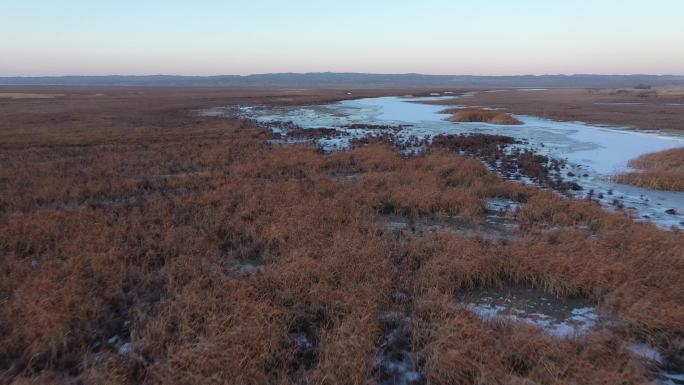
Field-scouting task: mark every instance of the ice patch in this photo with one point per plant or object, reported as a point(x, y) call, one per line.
point(126, 348)
point(646, 352)
point(562, 319)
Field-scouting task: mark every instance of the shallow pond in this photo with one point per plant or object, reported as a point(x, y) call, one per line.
point(593, 152)
point(560, 318)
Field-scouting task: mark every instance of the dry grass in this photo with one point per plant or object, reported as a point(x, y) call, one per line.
point(561, 260)
point(26, 95)
point(480, 115)
point(645, 91)
point(660, 171)
point(645, 109)
point(130, 222)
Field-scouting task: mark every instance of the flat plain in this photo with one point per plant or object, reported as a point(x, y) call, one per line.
point(142, 242)
point(658, 108)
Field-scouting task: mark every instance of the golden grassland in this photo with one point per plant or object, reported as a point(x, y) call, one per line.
point(480, 115)
point(661, 171)
point(129, 222)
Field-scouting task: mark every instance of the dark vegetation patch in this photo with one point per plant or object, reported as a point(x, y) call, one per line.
point(293, 130)
point(319, 132)
point(362, 126)
point(497, 151)
point(280, 124)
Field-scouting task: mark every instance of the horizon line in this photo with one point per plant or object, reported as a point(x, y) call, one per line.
point(339, 73)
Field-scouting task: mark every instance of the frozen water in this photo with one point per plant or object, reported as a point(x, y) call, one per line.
point(399, 109)
point(502, 205)
point(645, 351)
point(672, 378)
point(594, 153)
point(126, 348)
point(561, 319)
point(649, 353)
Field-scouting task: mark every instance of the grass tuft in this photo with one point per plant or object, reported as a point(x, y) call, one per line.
point(483, 115)
point(660, 171)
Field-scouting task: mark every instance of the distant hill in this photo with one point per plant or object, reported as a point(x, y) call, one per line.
point(353, 80)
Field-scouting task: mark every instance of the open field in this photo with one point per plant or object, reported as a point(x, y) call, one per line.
point(662, 171)
point(659, 108)
point(143, 243)
point(24, 95)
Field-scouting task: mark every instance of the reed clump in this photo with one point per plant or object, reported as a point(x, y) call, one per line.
point(660, 171)
point(482, 115)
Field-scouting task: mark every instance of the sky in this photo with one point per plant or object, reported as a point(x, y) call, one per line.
point(211, 37)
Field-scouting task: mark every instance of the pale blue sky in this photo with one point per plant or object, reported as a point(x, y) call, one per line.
point(207, 37)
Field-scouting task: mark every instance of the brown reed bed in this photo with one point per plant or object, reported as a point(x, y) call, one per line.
point(483, 115)
point(660, 171)
point(149, 245)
